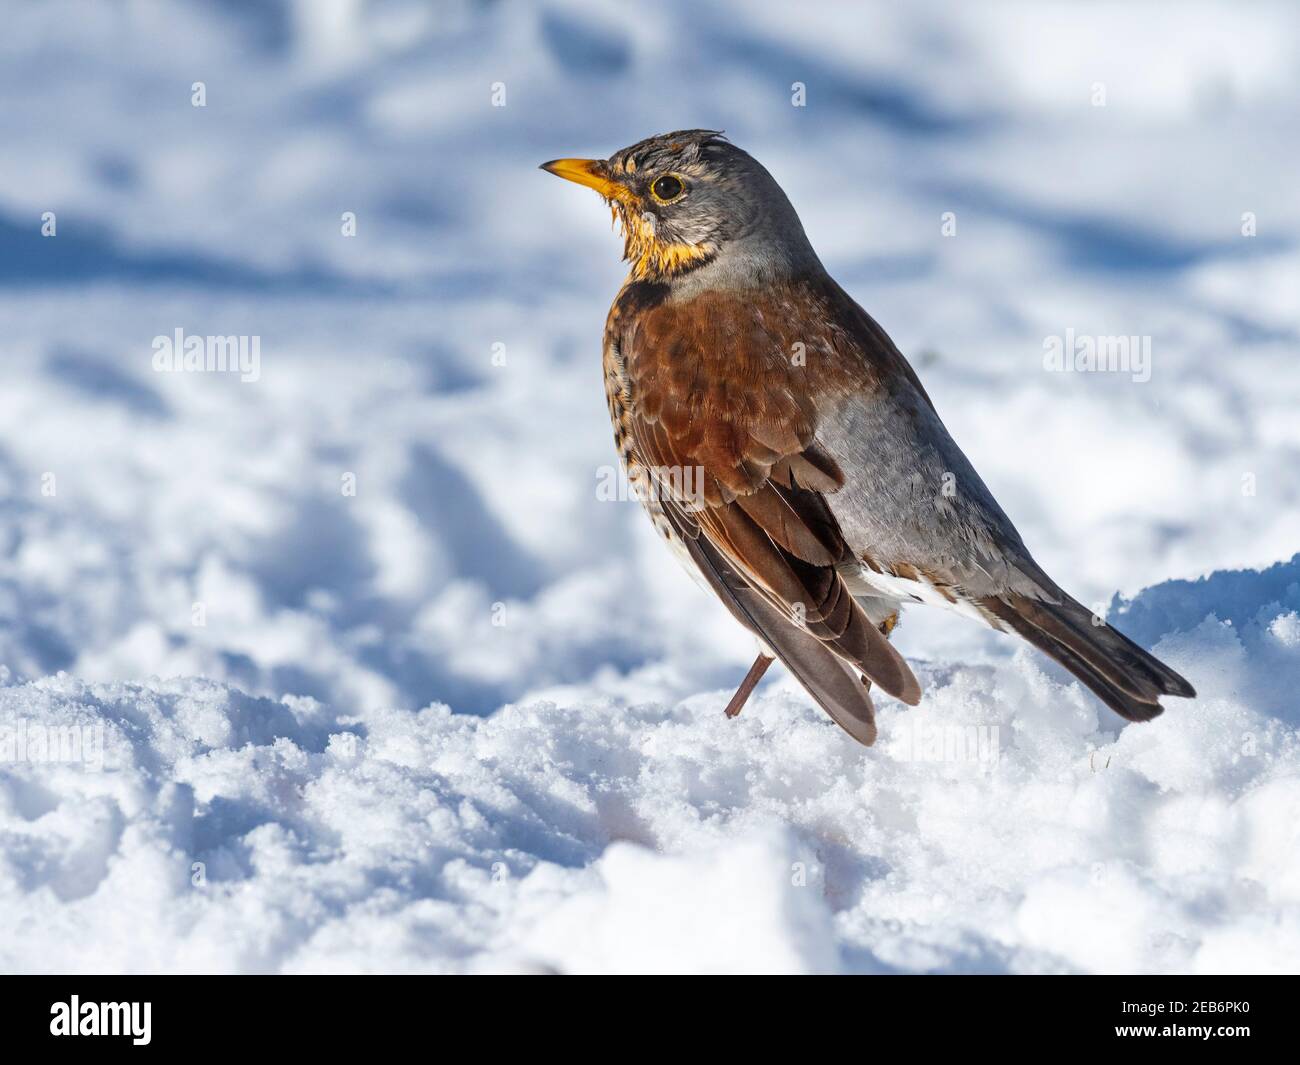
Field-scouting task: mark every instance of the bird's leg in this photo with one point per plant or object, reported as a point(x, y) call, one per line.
point(747, 685)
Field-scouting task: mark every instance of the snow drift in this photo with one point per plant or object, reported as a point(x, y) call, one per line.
point(1008, 824)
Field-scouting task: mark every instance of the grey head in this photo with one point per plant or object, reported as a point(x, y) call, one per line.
point(697, 210)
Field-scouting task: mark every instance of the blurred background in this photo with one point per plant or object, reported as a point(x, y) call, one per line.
point(1101, 164)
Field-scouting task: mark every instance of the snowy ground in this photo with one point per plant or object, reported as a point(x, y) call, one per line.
point(467, 718)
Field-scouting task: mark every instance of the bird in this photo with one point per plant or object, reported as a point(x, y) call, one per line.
point(790, 455)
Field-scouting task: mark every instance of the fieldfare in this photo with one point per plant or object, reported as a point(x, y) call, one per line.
point(790, 455)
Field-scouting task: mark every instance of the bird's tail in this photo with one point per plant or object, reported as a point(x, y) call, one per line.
point(1122, 675)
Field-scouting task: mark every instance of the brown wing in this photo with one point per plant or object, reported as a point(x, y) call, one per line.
point(721, 416)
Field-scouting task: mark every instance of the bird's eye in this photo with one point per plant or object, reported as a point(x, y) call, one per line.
point(667, 188)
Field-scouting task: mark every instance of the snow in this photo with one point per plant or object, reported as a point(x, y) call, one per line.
point(467, 717)
point(1002, 826)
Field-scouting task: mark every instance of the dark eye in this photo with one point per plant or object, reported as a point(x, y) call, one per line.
point(667, 188)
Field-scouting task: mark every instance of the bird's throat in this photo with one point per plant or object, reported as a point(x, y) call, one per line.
point(652, 258)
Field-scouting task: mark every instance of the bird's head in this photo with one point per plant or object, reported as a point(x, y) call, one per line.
point(688, 198)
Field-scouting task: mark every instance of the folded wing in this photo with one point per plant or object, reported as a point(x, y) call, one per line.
point(721, 429)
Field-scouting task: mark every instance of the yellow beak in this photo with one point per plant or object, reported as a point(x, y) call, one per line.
point(590, 172)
